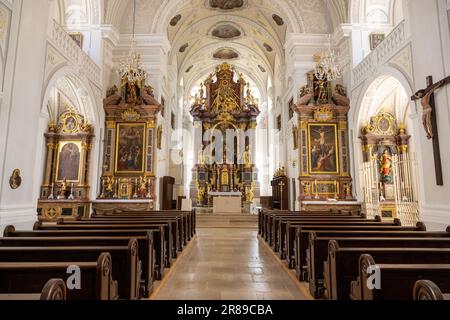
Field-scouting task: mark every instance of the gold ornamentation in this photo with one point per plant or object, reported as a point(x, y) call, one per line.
point(130, 115)
point(110, 124)
point(323, 114)
point(16, 180)
point(71, 122)
point(383, 124)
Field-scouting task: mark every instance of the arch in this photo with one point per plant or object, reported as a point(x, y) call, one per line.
point(358, 10)
point(89, 106)
point(361, 109)
point(81, 12)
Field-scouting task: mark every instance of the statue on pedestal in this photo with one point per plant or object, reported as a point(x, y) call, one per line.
point(248, 158)
point(143, 186)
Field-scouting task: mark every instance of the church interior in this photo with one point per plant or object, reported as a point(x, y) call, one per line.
point(224, 149)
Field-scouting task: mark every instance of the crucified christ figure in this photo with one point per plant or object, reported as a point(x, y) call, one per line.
point(425, 97)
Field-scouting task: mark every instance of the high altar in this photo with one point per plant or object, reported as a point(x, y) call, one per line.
point(225, 104)
point(128, 180)
point(322, 140)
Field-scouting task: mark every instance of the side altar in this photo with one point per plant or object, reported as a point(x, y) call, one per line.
point(128, 181)
point(65, 189)
point(225, 108)
point(323, 140)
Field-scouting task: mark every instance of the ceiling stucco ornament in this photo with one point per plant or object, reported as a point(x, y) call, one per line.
point(261, 68)
point(226, 31)
point(278, 20)
point(226, 4)
point(175, 20)
point(226, 54)
point(184, 47)
point(189, 69)
point(268, 47)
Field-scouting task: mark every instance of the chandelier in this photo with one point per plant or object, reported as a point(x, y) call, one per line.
point(131, 68)
point(327, 66)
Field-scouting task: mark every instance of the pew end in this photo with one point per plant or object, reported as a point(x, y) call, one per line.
point(37, 225)
point(427, 290)
point(421, 226)
point(8, 231)
point(54, 289)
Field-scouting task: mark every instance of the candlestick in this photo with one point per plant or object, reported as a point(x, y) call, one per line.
point(52, 194)
point(71, 197)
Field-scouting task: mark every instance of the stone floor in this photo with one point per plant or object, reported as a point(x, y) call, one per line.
point(229, 264)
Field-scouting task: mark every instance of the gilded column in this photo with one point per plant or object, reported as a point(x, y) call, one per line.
point(48, 179)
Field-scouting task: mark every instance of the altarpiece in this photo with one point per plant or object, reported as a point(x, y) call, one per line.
point(128, 181)
point(65, 189)
point(225, 104)
point(323, 145)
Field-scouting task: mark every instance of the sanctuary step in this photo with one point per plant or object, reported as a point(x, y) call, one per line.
point(243, 221)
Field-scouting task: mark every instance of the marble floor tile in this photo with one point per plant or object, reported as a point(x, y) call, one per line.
point(229, 264)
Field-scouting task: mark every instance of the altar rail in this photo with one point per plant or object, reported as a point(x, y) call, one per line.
point(390, 46)
point(61, 40)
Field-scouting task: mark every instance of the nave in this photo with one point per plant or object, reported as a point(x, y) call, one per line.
point(229, 264)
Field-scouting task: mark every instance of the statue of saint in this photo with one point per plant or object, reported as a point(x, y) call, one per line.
point(143, 186)
point(248, 158)
point(386, 167)
point(109, 184)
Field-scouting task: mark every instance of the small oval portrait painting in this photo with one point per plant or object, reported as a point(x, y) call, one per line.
point(16, 180)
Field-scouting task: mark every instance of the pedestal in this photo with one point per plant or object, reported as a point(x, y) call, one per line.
point(331, 205)
point(52, 210)
point(101, 207)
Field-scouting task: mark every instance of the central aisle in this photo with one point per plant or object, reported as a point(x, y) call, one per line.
point(229, 264)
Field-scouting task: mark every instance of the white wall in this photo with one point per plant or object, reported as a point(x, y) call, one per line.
point(21, 109)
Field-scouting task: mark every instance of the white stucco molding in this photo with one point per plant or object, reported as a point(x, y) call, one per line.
point(68, 50)
point(389, 48)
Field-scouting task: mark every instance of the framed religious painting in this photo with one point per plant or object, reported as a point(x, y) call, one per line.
point(323, 149)
point(130, 148)
point(68, 166)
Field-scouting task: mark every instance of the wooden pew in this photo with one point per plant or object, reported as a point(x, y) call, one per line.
point(185, 223)
point(341, 268)
point(162, 242)
point(279, 229)
point(274, 220)
point(287, 235)
point(171, 251)
point(317, 252)
point(191, 215)
point(125, 264)
point(54, 289)
point(150, 263)
point(289, 245)
point(301, 241)
point(397, 281)
point(266, 217)
point(428, 290)
point(172, 232)
point(26, 277)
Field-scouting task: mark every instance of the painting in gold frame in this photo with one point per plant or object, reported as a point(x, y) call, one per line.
point(323, 149)
point(130, 148)
point(68, 165)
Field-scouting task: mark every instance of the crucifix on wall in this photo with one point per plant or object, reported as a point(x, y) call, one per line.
point(429, 120)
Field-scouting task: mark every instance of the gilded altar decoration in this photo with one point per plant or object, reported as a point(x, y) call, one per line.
point(66, 186)
point(15, 181)
point(322, 138)
point(131, 137)
point(225, 103)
